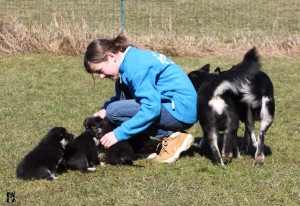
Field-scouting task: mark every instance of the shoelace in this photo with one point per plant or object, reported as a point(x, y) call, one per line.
point(163, 146)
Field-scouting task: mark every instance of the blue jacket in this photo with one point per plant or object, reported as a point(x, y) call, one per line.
point(155, 80)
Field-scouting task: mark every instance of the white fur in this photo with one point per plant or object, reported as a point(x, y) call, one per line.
point(91, 169)
point(249, 97)
point(96, 141)
point(264, 114)
point(64, 142)
point(53, 176)
point(99, 130)
point(217, 104)
point(251, 126)
point(215, 143)
point(223, 87)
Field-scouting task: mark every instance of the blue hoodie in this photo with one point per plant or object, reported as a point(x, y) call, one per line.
point(155, 80)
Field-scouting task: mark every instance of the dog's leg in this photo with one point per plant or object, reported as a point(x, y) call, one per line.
point(249, 131)
point(80, 164)
point(94, 160)
point(213, 142)
point(230, 146)
point(45, 173)
point(202, 142)
point(235, 146)
point(246, 140)
point(266, 116)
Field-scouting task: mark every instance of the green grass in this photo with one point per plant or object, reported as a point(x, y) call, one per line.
point(42, 91)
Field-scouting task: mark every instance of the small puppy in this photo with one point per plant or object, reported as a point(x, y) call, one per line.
point(43, 160)
point(121, 153)
point(82, 154)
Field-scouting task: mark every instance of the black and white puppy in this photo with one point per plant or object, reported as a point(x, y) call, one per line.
point(121, 153)
point(256, 104)
point(217, 103)
point(82, 153)
point(43, 160)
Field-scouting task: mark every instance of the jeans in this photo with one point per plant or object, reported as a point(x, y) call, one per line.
point(124, 109)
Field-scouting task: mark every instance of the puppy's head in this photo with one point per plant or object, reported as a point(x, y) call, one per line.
point(93, 125)
point(60, 135)
point(98, 127)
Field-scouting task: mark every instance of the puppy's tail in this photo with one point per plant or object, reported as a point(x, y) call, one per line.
point(237, 78)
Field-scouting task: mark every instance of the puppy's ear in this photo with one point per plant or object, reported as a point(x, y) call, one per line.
point(205, 68)
point(97, 119)
point(86, 121)
point(217, 70)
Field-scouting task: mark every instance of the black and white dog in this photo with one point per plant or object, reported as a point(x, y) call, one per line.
point(42, 162)
point(82, 153)
point(256, 104)
point(218, 103)
point(121, 153)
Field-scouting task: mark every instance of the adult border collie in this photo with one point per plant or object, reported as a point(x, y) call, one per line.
point(256, 104)
point(43, 160)
point(217, 103)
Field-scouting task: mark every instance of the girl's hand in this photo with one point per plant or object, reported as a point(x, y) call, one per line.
point(101, 113)
point(108, 140)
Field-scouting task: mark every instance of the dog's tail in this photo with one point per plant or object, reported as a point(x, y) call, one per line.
point(237, 78)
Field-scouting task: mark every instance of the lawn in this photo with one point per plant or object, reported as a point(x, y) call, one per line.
point(39, 92)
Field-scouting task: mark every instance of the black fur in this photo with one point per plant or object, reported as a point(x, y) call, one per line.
point(43, 160)
point(256, 104)
point(217, 103)
point(82, 153)
point(123, 152)
point(263, 110)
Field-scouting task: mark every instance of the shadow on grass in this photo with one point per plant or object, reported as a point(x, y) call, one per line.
point(207, 153)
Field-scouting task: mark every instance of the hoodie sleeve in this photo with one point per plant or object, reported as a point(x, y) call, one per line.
point(143, 83)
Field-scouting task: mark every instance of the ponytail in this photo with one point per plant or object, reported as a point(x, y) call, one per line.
point(121, 42)
point(97, 50)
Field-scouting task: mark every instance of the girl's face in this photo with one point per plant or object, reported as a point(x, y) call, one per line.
point(107, 69)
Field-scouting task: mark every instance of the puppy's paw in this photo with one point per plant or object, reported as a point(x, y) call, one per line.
point(89, 169)
point(152, 156)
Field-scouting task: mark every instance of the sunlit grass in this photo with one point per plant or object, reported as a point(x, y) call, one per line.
point(42, 91)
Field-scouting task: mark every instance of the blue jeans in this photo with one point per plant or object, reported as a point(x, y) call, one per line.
point(124, 109)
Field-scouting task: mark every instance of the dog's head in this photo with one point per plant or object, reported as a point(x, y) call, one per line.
point(93, 125)
point(97, 127)
point(197, 77)
point(59, 135)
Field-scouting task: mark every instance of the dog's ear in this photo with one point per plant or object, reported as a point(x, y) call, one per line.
point(217, 70)
point(87, 121)
point(97, 119)
point(205, 68)
point(57, 133)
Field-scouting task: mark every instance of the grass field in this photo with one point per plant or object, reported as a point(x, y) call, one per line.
point(42, 91)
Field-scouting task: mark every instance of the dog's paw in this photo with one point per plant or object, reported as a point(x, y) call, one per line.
point(152, 156)
point(89, 169)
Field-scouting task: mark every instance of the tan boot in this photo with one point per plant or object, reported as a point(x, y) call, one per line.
point(172, 146)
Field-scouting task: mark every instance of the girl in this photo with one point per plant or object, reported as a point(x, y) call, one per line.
point(153, 95)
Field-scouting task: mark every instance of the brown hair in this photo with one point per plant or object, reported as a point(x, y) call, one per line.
point(97, 50)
